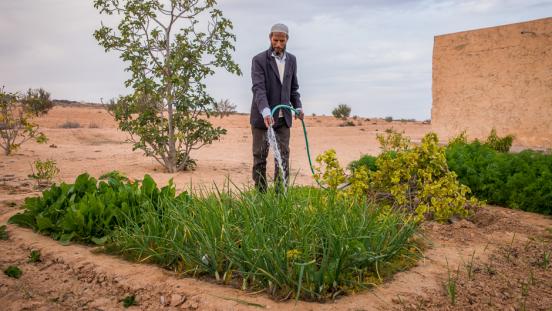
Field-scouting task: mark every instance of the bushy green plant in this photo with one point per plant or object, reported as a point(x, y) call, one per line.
point(88, 210)
point(366, 160)
point(4, 233)
point(44, 172)
point(518, 180)
point(13, 272)
point(342, 112)
point(500, 144)
point(416, 178)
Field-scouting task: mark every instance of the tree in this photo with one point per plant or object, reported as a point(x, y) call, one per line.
point(224, 108)
point(37, 102)
point(342, 112)
point(171, 47)
point(15, 118)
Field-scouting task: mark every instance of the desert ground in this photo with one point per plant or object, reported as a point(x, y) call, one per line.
point(497, 253)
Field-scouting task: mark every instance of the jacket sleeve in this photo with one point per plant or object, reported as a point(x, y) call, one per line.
point(295, 96)
point(259, 87)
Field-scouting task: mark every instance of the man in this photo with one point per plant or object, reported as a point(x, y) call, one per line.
point(274, 77)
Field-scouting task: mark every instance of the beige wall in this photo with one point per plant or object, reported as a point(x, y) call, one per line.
point(497, 77)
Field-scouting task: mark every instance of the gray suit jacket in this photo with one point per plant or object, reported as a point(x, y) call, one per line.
point(268, 91)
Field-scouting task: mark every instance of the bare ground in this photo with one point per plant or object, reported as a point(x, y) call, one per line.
point(508, 247)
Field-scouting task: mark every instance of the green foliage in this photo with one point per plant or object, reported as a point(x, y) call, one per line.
point(34, 256)
point(310, 243)
point(367, 161)
point(166, 113)
point(44, 172)
point(4, 233)
point(88, 211)
point(129, 301)
point(37, 102)
point(342, 111)
point(518, 180)
point(416, 179)
point(13, 272)
point(500, 144)
point(16, 126)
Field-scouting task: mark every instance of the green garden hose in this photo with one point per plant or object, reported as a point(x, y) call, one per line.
point(306, 138)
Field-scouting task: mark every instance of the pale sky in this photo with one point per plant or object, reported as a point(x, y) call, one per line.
point(374, 56)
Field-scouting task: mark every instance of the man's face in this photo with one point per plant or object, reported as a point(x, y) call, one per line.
point(278, 41)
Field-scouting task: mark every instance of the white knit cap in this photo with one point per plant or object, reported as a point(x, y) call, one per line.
point(279, 28)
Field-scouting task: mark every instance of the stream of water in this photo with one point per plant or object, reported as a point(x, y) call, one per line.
point(274, 146)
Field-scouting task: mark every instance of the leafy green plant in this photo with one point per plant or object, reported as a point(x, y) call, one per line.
point(171, 49)
point(88, 210)
point(367, 161)
point(342, 111)
point(16, 126)
point(34, 256)
point(517, 180)
point(44, 172)
point(4, 233)
point(500, 144)
point(13, 272)
point(412, 178)
point(129, 301)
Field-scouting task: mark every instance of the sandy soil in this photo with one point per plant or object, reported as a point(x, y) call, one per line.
point(507, 246)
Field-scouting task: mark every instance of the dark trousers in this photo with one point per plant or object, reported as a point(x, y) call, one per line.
point(260, 153)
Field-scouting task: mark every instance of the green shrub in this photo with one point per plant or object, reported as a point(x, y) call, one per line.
point(4, 233)
point(342, 112)
point(518, 180)
point(13, 272)
point(500, 144)
point(367, 161)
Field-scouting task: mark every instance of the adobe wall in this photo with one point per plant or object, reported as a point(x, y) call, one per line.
point(497, 77)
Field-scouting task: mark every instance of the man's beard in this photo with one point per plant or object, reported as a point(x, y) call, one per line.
point(283, 50)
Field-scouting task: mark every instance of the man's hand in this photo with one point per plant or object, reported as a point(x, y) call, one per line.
point(299, 115)
point(268, 120)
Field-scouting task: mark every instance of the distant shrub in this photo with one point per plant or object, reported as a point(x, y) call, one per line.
point(93, 125)
point(342, 112)
point(347, 123)
point(70, 125)
point(388, 119)
point(500, 144)
point(224, 108)
point(37, 102)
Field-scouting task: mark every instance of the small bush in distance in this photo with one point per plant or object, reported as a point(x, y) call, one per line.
point(388, 118)
point(224, 108)
point(13, 272)
point(70, 125)
point(342, 112)
point(347, 123)
point(500, 144)
point(16, 126)
point(37, 102)
point(44, 172)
